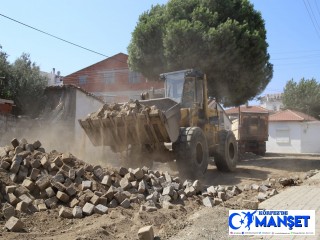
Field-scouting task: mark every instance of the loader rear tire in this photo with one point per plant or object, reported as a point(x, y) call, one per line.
point(191, 152)
point(226, 157)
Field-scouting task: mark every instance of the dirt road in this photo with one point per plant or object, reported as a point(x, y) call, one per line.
point(255, 168)
point(189, 221)
point(212, 223)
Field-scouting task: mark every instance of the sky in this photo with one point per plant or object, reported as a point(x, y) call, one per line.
point(293, 33)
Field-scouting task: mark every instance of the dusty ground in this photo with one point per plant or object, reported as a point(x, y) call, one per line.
point(212, 223)
point(191, 221)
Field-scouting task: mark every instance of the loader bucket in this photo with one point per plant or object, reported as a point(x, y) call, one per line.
point(141, 122)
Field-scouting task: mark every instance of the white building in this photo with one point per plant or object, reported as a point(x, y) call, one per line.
point(272, 102)
point(293, 132)
point(59, 125)
point(54, 78)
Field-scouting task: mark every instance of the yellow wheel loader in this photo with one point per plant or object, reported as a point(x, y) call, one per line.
point(178, 127)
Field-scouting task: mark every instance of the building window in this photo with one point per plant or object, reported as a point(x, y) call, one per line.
point(134, 77)
point(283, 135)
point(83, 79)
point(109, 77)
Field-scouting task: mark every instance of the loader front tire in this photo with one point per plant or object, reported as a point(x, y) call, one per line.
point(192, 152)
point(226, 157)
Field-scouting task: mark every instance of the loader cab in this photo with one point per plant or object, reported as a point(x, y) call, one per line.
point(185, 87)
point(174, 85)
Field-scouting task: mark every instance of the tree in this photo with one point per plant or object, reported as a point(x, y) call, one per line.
point(303, 96)
point(23, 83)
point(5, 73)
point(28, 85)
point(226, 39)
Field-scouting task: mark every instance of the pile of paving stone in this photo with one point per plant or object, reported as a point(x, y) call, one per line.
point(264, 191)
point(116, 109)
point(269, 188)
point(39, 181)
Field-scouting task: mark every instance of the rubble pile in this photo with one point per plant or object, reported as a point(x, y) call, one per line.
point(264, 191)
point(41, 181)
point(118, 110)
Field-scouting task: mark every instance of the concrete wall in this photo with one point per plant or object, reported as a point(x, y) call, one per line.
point(235, 128)
point(310, 137)
point(284, 137)
point(294, 137)
point(83, 148)
point(84, 105)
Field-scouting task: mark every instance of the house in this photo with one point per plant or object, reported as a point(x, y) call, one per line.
point(54, 78)
point(58, 124)
point(272, 102)
point(6, 106)
point(293, 132)
point(112, 80)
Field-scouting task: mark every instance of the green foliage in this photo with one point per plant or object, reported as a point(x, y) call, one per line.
point(226, 39)
point(303, 96)
point(22, 83)
point(5, 73)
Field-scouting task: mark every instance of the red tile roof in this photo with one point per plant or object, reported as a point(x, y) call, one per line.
point(290, 115)
point(257, 109)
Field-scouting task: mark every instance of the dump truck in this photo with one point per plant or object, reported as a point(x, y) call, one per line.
point(179, 127)
point(252, 132)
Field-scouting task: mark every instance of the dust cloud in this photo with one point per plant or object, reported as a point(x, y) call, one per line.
point(61, 138)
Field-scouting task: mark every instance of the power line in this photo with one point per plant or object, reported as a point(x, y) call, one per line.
point(317, 7)
point(314, 17)
point(315, 28)
point(294, 52)
point(51, 35)
point(297, 57)
point(101, 54)
point(301, 64)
